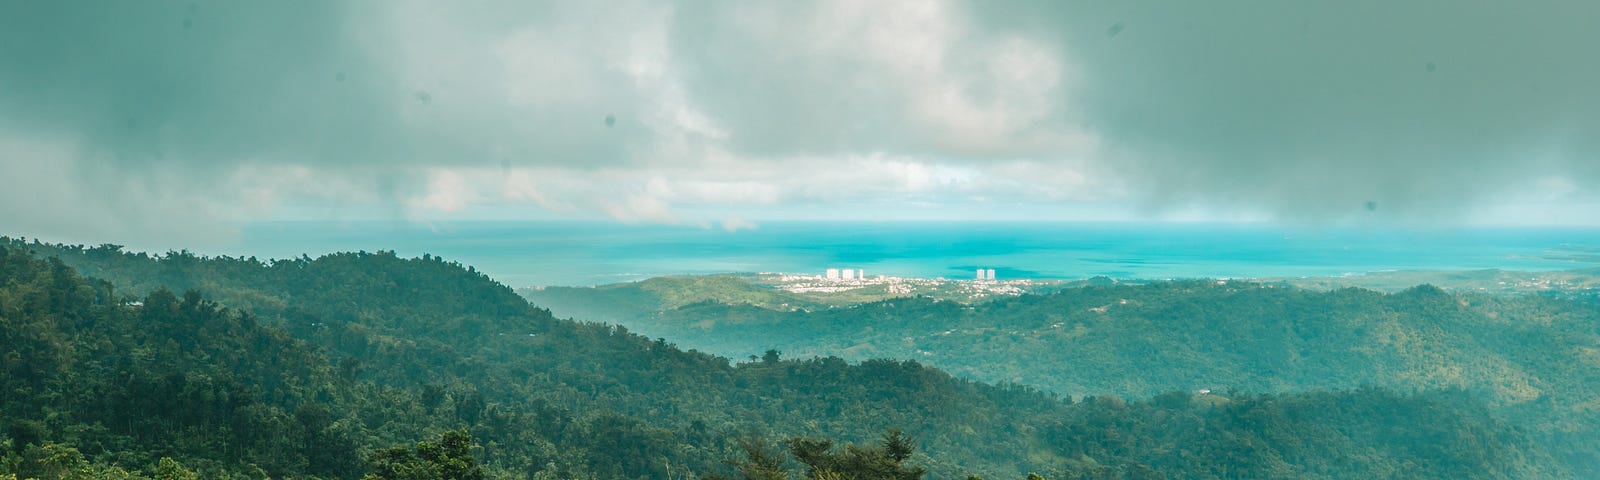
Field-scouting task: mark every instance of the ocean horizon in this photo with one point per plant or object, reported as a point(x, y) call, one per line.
point(523, 254)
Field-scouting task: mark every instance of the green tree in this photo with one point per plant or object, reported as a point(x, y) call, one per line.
point(879, 462)
point(57, 462)
point(448, 459)
point(169, 469)
point(760, 462)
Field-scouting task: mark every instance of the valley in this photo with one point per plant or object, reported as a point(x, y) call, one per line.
point(310, 368)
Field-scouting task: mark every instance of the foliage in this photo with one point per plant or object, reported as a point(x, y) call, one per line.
point(1534, 359)
point(823, 461)
point(315, 365)
point(448, 459)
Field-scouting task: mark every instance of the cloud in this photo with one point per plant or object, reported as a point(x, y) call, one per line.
point(1311, 110)
point(179, 120)
point(908, 77)
point(734, 224)
point(44, 182)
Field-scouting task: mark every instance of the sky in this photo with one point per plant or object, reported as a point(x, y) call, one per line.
point(177, 122)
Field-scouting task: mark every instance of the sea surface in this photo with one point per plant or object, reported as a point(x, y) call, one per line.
point(523, 254)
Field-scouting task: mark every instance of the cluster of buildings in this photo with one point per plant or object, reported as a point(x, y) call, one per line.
point(846, 274)
point(835, 280)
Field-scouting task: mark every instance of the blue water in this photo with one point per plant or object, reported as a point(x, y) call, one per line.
point(568, 253)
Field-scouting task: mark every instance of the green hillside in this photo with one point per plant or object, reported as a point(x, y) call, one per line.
point(312, 368)
point(1534, 358)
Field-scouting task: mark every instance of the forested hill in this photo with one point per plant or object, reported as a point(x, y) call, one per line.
point(1535, 358)
point(301, 368)
point(1147, 339)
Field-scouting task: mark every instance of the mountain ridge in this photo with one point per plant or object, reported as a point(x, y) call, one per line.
point(389, 361)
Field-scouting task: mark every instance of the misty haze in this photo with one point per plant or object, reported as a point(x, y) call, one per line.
point(818, 240)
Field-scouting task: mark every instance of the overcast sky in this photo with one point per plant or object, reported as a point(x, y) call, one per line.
point(152, 121)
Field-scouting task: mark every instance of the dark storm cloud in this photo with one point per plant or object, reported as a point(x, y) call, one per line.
point(197, 83)
point(141, 113)
point(192, 102)
point(1315, 108)
point(168, 118)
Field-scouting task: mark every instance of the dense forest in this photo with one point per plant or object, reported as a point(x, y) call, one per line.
point(370, 365)
point(1534, 358)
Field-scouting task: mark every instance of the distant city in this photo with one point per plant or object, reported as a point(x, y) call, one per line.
point(840, 279)
point(848, 274)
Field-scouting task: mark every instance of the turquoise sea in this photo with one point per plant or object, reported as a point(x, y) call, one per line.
point(589, 253)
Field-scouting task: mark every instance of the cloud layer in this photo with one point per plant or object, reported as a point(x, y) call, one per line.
point(161, 121)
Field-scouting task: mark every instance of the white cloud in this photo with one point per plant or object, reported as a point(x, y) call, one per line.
point(734, 224)
point(447, 192)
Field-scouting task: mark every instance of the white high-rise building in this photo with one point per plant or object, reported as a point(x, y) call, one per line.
point(833, 274)
point(980, 274)
point(849, 274)
point(991, 273)
point(861, 274)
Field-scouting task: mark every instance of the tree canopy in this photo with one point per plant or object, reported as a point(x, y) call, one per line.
point(319, 368)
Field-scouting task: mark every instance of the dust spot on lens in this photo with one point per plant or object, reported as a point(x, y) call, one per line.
point(1430, 66)
point(423, 96)
point(1115, 29)
point(611, 120)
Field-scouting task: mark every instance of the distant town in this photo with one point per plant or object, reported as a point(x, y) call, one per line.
point(836, 280)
